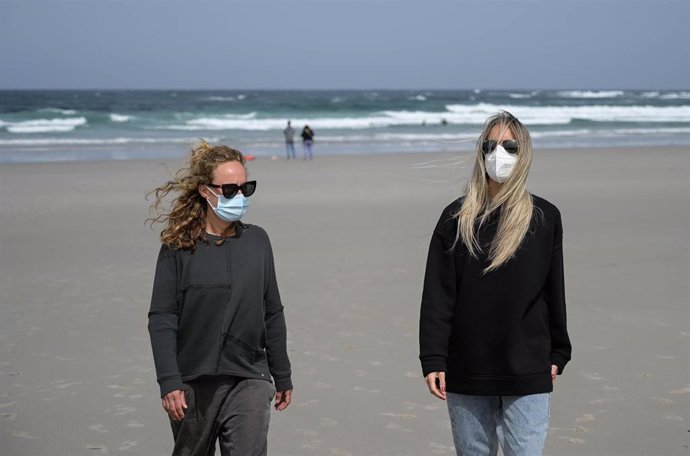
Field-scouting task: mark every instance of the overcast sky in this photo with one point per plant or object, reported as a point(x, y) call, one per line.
point(345, 44)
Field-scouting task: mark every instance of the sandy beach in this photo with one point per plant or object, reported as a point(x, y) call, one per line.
point(350, 235)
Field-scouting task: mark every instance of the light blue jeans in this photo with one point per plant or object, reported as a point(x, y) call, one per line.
point(518, 423)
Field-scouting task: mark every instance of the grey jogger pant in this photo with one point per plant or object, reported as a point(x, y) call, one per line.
point(235, 411)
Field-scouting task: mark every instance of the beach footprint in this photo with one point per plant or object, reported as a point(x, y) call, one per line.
point(8, 416)
point(98, 449)
point(98, 427)
point(126, 445)
point(366, 390)
point(23, 435)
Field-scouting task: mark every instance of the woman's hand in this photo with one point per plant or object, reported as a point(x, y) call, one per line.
point(283, 399)
point(436, 381)
point(175, 404)
point(554, 372)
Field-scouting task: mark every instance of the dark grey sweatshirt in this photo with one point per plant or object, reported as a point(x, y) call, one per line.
point(217, 311)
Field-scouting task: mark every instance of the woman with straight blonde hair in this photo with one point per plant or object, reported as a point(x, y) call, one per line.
point(492, 329)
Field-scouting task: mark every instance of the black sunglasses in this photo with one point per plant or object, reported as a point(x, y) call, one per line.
point(230, 190)
point(510, 145)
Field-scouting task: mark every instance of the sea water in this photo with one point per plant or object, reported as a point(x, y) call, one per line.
point(39, 126)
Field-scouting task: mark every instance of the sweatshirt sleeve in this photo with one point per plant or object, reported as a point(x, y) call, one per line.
point(276, 330)
point(163, 322)
point(555, 298)
point(438, 300)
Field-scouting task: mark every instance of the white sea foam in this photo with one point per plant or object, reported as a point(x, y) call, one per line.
point(67, 112)
point(98, 142)
point(675, 96)
point(220, 98)
point(561, 115)
point(467, 137)
point(417, 98)
point(399, 137)
point(224, 123)
point(44, 125)
point(591, 93)
point(239, 97)
point(455, 115)
point(119, 118)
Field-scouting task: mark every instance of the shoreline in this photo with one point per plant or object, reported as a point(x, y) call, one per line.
point(280, 156)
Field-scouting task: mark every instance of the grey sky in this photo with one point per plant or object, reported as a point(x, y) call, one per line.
point(390, 44)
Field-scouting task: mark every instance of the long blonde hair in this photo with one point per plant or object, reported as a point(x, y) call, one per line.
point(185, 223)
point(513, 200)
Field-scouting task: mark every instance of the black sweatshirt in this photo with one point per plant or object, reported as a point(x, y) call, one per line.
point(217, 311)
point(496, 333)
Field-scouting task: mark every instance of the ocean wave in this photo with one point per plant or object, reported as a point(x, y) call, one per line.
point(220, 98)
point(229, 98)
point(675, 96)
point(381, 120)
point(471, 138)
point(67, 112)
point(248, 124)
point(454, 115)
point(44, 125)
point(561, 115)
point(399, 137)
point(119, 118)
point(651, 94)
point(417, 98)
point(591, 93)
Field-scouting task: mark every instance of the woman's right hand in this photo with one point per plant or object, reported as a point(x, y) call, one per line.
point(436, 381)
point(175, 404)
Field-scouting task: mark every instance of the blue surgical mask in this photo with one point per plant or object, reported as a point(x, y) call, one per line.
point(230, 210)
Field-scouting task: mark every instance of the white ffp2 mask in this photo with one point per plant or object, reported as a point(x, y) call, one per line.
point(499, 164)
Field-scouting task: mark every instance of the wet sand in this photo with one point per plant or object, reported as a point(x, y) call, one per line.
point(350, 235)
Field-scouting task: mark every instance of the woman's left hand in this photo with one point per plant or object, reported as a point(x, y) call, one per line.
point(554, 372)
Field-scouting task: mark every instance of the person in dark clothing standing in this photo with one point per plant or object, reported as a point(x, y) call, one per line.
point(492, 329)
point(307, 142)
point(216, 320)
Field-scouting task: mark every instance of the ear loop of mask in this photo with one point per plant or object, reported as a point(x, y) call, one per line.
point(214, 194)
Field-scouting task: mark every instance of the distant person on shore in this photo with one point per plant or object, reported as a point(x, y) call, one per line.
point(216, 320)
point(289, 134)
point(307, 142)
point(492, 329)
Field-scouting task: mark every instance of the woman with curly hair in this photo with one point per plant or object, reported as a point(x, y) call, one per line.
point(216, 321)
point(492, 328)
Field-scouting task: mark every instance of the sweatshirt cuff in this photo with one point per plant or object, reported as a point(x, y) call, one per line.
point(559, 361)
point(170, 384)
point(434, 363)
point(283, 383)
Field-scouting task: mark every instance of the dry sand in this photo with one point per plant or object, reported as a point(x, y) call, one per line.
point(350, 235)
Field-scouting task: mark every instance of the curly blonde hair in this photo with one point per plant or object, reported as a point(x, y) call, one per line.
point(185, 222)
